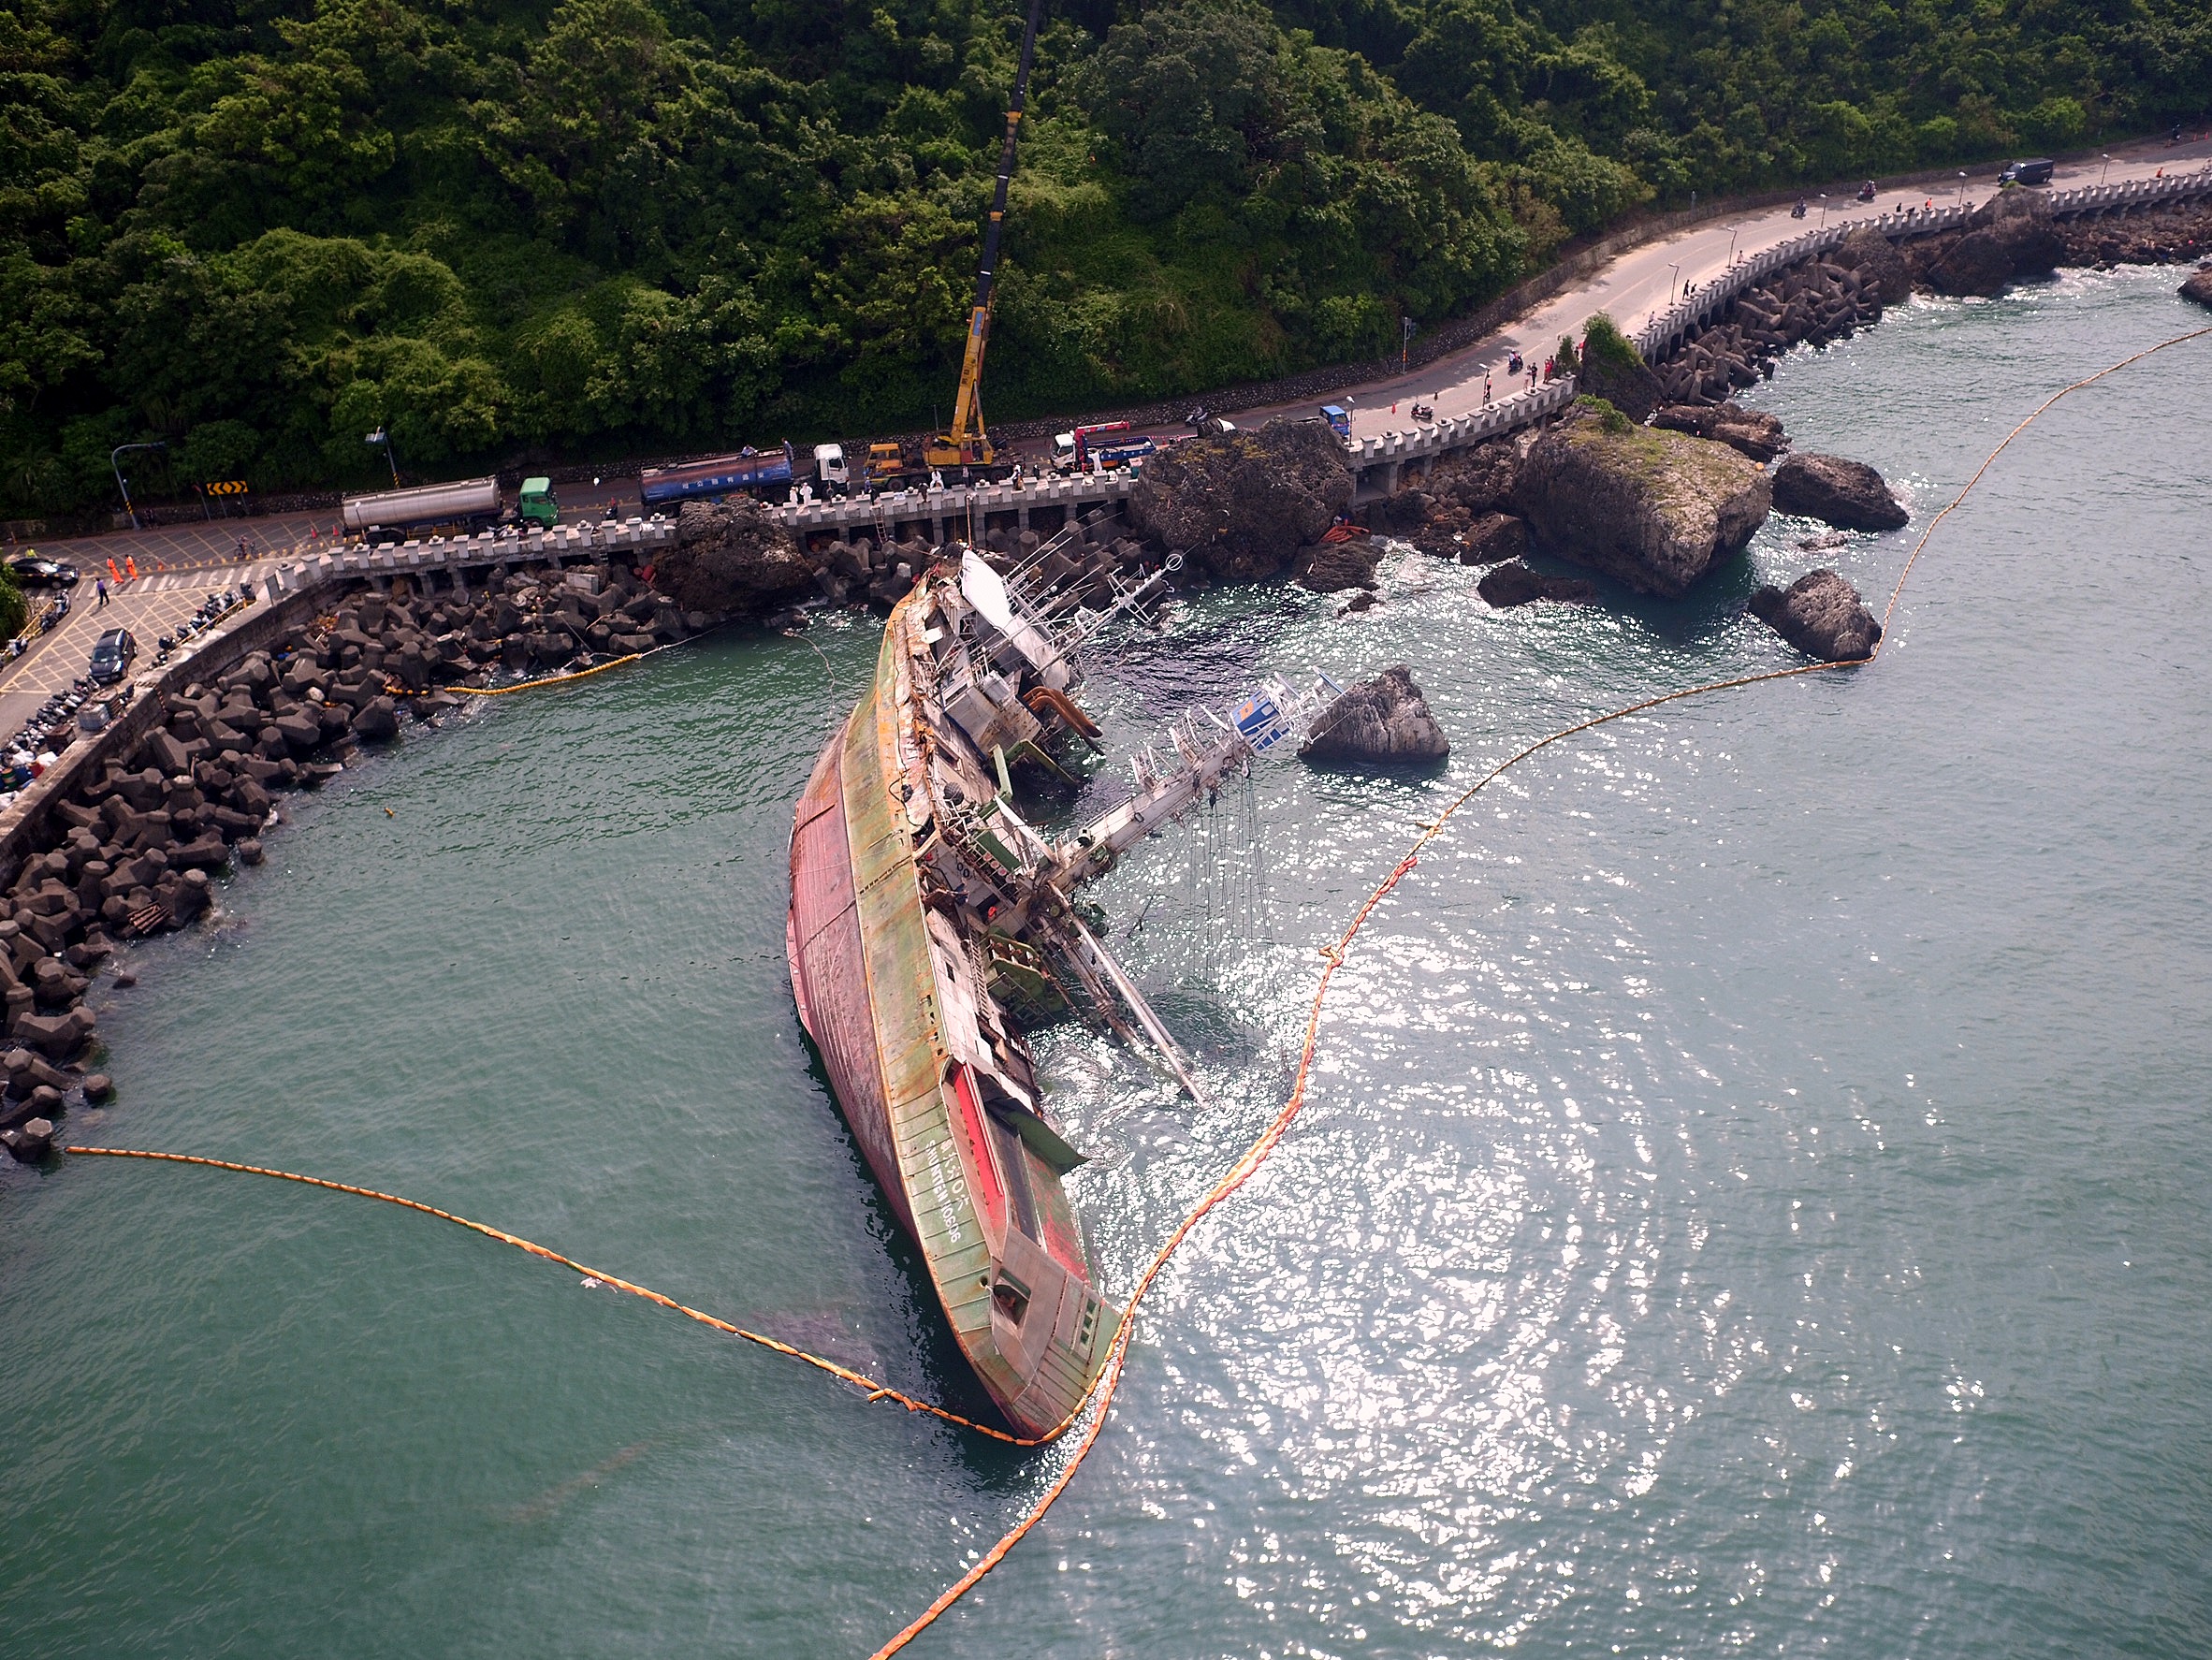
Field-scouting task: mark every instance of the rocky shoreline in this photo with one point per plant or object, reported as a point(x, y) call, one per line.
point(1653, 484)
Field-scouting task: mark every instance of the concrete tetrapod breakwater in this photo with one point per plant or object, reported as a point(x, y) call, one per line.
point(123, 834)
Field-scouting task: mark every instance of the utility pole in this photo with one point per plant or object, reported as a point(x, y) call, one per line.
point(115, 460)
point(381, 436)
point(1405, 344)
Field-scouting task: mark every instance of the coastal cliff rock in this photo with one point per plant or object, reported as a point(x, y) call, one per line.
point(730, 558)
point(1385, 719)
point(1747, 431)
point(1876, 257)
point(1822, 616)
point(1612, 369)
point(2007, 238)
point(1655, 509)
point(1515, 584)
point(2199, 287)
point(1849, 495)
point(1239, 505)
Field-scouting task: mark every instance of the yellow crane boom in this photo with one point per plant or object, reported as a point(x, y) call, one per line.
point(966, 444)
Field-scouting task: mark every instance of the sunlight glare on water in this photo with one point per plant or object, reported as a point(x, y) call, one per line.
point(1752, 1195)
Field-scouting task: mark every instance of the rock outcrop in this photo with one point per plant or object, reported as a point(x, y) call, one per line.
point(1610, 369)
point(1849, 495)
point(2199, 287)
point(1239, 505)
point(1385, 719)
point(1517, 585)
point(1491, 538)
point(1747, 431)
point(1822, 616)
point(2008, 237)
point(731, 560)
point(1331, 567)
point(1654, 509)
point(1876, 258)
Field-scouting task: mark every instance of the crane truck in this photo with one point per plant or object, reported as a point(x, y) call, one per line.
point(966, 444)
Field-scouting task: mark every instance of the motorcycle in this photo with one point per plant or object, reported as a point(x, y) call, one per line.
point(1424, 412)
point(1866, 191)
point(1798, 212)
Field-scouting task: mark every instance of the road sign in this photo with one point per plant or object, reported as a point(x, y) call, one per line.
point(229, 487)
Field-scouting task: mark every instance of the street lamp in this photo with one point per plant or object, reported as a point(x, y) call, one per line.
point(1962, 189)
point(1823, 210)
point(1674, 288)
point(1405, 344)
point(2106, 168)
point(1732, 244)
point(115, 460)
point(381, 436)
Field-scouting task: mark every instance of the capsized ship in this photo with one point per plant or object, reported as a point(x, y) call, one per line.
point(928, 920)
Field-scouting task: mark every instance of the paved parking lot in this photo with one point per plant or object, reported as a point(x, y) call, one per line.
point(148, 607)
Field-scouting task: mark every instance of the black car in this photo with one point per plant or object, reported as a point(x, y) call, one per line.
point(112, 656)
point(30, 571)
point(2027, 172)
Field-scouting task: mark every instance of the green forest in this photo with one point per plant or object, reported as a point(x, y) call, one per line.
point(514, 230)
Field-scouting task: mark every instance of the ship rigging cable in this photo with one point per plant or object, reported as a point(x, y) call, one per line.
point(1095, 1407)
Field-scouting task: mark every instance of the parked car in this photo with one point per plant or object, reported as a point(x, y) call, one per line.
point(112, 656)
point(30, 571)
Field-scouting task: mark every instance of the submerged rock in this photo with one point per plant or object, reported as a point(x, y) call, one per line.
point(1239, 505)
point(1517, 585)
point(1822, 616)
point(1655, 509)
point(1385, 719)
point(1849, 495)
point(730, 558)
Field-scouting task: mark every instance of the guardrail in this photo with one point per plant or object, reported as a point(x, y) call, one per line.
point(492, 548)
point(958, 502)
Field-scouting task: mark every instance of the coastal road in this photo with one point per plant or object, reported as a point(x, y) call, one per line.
point(1639, 283)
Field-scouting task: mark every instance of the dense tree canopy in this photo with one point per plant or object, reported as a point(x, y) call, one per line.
point(255, 229)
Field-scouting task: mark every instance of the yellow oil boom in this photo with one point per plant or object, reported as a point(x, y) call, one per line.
point(966, 444)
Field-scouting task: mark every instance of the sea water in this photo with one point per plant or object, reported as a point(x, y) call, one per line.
point(1752, 1194)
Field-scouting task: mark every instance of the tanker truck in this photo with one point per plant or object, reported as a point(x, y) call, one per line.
point(466, 505)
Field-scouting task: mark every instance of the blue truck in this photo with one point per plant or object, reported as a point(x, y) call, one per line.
point(767, 473)
point(1334, 415)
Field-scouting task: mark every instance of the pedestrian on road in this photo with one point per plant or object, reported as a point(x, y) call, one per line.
point(130, 567)
point(243, 554)
point(113, 575)
point(100, 584)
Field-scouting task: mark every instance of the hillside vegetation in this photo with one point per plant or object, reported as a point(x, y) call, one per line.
point(501, 229)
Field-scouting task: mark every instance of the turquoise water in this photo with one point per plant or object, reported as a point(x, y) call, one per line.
point(1754, 1194)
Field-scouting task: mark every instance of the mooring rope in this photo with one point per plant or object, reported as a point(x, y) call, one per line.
point(1098, 1400)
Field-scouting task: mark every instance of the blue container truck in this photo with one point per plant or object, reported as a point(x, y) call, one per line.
point(765, 473)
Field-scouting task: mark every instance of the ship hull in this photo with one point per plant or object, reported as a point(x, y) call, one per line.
point(875, 980)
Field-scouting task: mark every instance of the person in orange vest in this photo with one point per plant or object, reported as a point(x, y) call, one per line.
point(113, 575)
point(130, 566)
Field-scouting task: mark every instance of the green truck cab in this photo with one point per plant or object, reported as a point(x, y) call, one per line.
point(538, 505)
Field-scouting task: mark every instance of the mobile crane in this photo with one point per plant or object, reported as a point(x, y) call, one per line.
point(965, 443)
